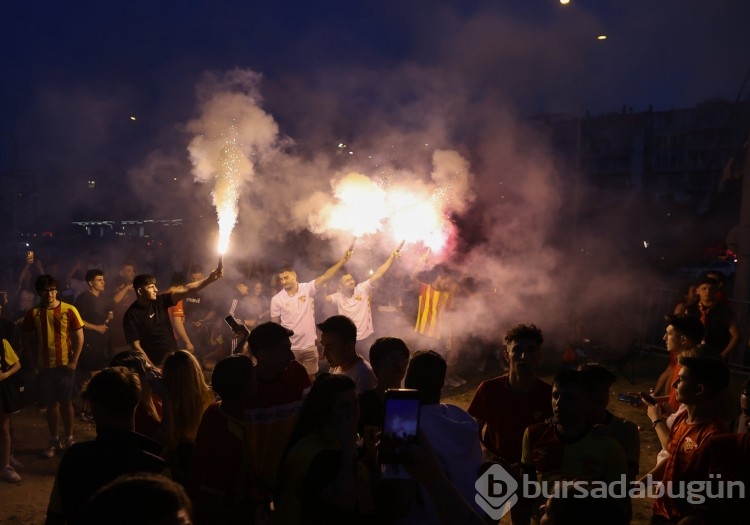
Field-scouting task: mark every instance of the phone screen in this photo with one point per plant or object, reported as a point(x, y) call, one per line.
point(400, 425)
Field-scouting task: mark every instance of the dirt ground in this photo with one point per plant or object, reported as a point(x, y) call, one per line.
point(26, 502)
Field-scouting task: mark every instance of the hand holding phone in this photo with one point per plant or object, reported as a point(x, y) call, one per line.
point(630, 399)
point(400, 425)
point(648, 398)
point(239, 329)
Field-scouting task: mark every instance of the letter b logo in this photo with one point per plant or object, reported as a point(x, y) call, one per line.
point(496, 492)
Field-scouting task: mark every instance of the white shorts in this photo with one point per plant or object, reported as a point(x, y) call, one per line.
point(308, 357)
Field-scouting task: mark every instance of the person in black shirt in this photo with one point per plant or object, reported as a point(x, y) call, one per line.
point(147, 325)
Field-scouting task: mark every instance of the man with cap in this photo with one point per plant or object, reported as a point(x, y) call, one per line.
point(282, 383)
point(722, 330)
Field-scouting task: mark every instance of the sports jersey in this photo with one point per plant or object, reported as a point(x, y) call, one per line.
point(270, 421)
point(357, 308)
point(684, 441)
point(11, 358)
point(297, 313)
point(53, 327)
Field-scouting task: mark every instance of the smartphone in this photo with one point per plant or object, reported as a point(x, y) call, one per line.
point(400, 425)
point(631, 400)
point(649, 398)
point(30, 256)
point(236, 326)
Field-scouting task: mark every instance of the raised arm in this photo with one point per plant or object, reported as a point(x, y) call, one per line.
point(121, 293)
point(330, 272)
point(380, 272)
point(420, 265)
point(178, 292)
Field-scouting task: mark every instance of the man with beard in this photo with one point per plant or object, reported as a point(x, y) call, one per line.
point(353, 300)
point(294, 309)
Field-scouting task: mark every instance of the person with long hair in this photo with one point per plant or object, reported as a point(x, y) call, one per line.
point(188, 396)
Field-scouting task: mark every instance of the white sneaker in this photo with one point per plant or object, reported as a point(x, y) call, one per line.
point(68, 441)
point(452, 383)
point(53, 448)
point(9, 475)
point(17, 465)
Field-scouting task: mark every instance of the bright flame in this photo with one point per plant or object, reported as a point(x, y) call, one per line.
point(414, 217)
point(226, 192)
point(360, 206)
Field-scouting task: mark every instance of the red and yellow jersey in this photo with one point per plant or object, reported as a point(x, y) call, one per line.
point(432, 304)
point(53, 327)
point(11, 358)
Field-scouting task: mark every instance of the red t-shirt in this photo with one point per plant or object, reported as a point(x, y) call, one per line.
point(220, 463)
point(727, 457)
point(684, 442)
point(508, 413)
point(290, 387)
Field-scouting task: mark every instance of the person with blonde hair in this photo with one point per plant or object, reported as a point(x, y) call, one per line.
point(188, 396)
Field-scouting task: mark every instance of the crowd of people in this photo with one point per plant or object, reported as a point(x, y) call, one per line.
point(277, 419)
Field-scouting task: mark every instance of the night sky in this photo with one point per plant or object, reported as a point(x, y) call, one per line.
point(75, 72)
point(434, 93)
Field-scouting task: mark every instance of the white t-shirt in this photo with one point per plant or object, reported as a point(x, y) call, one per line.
point(297, 313)
point(362, 375)
point(356, 308)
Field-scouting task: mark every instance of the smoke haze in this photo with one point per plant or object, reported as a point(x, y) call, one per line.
point(431, 97)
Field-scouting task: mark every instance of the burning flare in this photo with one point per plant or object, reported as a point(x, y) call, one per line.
point(226, 193)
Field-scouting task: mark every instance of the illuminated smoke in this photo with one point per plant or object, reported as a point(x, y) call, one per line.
point(232, 134)
point(358, 208)
point(416, 217)
point(409, 210)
